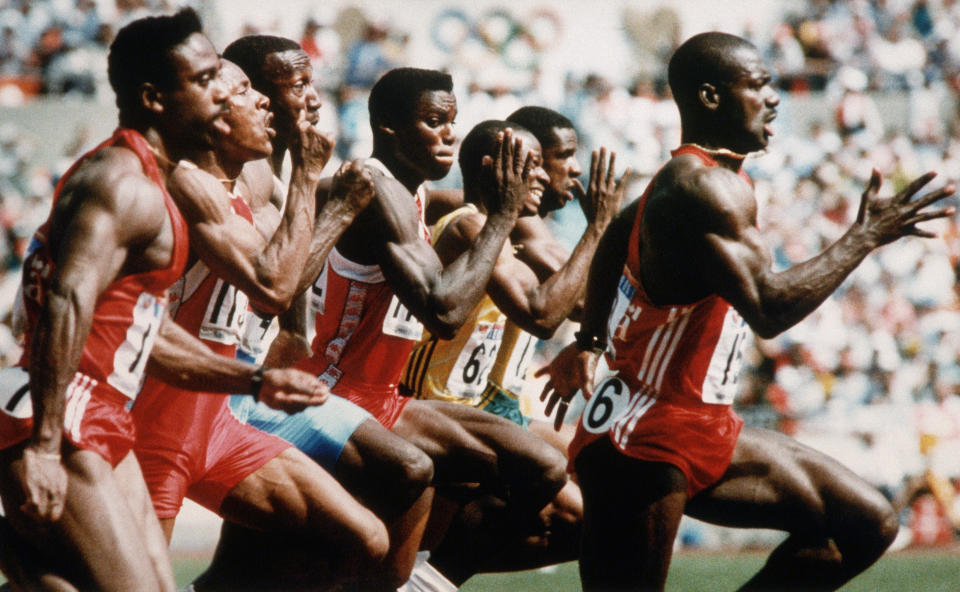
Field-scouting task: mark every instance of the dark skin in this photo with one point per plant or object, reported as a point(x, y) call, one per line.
point(699, 237)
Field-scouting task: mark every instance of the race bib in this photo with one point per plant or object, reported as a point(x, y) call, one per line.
point(515, 377)
point(722, 378)
point(226, 315)
point(401, 323)
point(15, 392)
point(131, 357)
point(468, 377)
point(610, 402)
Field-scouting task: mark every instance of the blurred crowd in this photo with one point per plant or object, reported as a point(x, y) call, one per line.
point(872, 377)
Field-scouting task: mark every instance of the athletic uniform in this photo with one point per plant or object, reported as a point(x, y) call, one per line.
point(458, 370)
point(126, 318)
point(188, 443)
point(676, 376)
point(364, 335)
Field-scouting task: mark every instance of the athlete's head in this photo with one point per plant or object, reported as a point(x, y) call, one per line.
point(412, 112)
point(249, 118)
point(722, 88)
point(280, 69)
point(558, 138)
point(482, 142)
point(164, 73)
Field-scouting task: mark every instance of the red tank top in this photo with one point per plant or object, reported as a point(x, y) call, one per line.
point(364, 335)
point(128, 313)
point(214, 311)
point(687, 353)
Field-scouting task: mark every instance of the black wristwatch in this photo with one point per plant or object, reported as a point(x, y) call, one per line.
point(590, 343)
point(256, 382)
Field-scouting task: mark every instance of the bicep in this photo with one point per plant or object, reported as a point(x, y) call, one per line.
point(511, 286)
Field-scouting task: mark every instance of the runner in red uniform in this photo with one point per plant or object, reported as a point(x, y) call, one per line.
point(677, 277)
point(95, 288)
point(189, 443)
point(384, 279)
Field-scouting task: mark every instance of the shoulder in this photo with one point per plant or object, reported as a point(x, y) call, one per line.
point(258, 179)
point(701, 196)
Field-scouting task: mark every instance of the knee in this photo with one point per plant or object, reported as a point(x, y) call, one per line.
point(554, 468)
point(879, 525)
point(415, 474)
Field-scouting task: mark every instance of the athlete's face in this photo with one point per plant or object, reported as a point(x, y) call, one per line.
point(539, 180)
point(561, 165)
point(195, 105)
point(749, 102)
point(425, 142)
point(249, 118)
point(291, 77)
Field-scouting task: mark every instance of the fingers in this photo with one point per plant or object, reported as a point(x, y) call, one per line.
point(622, 185)
point(934, 196)
point(914, 185)
point(561, 415)
point(610, 169)
point(595, 158)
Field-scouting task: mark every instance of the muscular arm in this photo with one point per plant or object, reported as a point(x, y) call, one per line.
point(267, 271)
point(728, 255)
point(180, 359)
point(440, 296)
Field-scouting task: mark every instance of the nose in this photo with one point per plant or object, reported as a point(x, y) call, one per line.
point(773, 98)
point(263, 101)
point(218, 90)
point(448, 134)
point(312, 98)
point(575, 170)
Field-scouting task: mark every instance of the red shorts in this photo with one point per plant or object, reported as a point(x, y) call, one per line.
point(385, 407)
point(698, 440)
point(205, 470)
point(95, 419)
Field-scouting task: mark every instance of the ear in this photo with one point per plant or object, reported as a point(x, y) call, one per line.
point(708, 96)
point(151, 98)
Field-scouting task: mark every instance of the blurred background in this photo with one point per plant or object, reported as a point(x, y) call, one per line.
point(872, 377)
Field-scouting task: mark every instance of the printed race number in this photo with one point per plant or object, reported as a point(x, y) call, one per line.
point(609, 402)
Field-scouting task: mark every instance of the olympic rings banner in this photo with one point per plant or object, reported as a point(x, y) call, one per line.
point(516, 40)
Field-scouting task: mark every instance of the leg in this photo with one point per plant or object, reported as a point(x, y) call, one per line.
point(392, 477)
point(468, 445)
point(631, 512)
point(21, 563)
point(839, 525)
point(292, 496)
point(97, 517)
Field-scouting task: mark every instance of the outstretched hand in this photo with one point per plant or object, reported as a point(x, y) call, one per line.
point(311, 148)
point(508, 173)
point(292, 390)
point(886, 219)
point(43, 480)
point(571, 370)
point(601, 200)
point(353, 184)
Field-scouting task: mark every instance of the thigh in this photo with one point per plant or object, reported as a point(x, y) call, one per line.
point(776, 482)
point(467, 444)
point(374, 457)
point(292, 493)
point(631, 512)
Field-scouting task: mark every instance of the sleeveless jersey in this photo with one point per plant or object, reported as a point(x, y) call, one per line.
point(128, 313)
point(364, 335)
point(213, 310)
point(673, 360)
point(456, 370)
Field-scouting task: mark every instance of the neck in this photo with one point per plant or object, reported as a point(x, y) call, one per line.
point(726, 157)
point(408, 178)
point(279, 151)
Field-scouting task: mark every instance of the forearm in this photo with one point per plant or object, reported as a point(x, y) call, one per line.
point(464, 281)
point(603, 279)
point(54, 357)
point(332, 221)
point(182, 360)
point(555, 299)
point(287, 251)
point(787, 297)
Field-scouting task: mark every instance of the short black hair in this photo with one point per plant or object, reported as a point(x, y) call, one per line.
point(393, 97)
point(141, 53)
point(703, 58)
point(541, 122)
point(250, 53)
point(480, 142)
